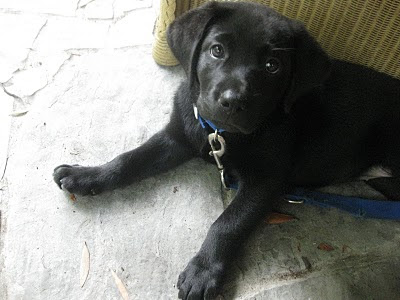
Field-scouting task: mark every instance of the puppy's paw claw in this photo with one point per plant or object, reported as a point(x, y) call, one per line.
point(78, 180)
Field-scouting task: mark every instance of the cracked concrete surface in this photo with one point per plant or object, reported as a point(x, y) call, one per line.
point(48, 36)
point(78, 85)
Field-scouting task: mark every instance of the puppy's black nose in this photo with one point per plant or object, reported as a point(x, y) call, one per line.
point(231, 100)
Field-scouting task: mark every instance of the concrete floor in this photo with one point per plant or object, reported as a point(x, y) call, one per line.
point(78, 85)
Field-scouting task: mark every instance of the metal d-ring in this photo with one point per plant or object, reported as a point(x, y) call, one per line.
point(294, 201)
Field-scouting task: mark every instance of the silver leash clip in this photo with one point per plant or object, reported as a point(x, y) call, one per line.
point(214, 139)
point(217, 151)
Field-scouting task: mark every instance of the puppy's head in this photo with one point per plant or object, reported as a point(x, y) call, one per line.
point(245, 61)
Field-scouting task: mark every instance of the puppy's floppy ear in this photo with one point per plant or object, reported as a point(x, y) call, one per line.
point(311, 65)
point(186, 33)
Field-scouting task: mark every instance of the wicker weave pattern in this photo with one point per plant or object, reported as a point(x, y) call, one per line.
point(366, 32)
point(161, 52)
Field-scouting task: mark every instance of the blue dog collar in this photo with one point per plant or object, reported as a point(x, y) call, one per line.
point(204, 122)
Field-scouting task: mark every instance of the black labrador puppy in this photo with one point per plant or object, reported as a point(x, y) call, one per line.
point(285, 115)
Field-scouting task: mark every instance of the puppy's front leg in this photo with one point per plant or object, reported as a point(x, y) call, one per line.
point(160, 153)
point(203, 276)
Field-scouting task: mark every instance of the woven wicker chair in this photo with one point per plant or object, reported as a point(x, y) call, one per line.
point(365, 32)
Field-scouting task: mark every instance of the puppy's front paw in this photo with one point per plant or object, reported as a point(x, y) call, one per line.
point(201, 279)
point(79, 180)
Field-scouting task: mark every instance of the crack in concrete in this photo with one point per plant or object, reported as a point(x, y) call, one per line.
point(125, 13)
point(37, 35)
point(54, 102)
point(100, 19)
point(4, 171)
point(94, 50)
point(113, 19)
point(40, 14)
point(24, 61)
point(78, 6)
point(55, 74)
point(20, 99)
point(10, 94)
point(113, 8)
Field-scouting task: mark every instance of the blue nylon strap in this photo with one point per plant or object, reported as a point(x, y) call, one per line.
point(359, 207)
point(204, 122)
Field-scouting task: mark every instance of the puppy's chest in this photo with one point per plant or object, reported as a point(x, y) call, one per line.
point(256, 153)
point(263, 150)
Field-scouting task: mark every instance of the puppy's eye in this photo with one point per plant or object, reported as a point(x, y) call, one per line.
point(272, 65)
point(217, 51)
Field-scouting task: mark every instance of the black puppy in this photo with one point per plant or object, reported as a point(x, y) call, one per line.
point(286, 114)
